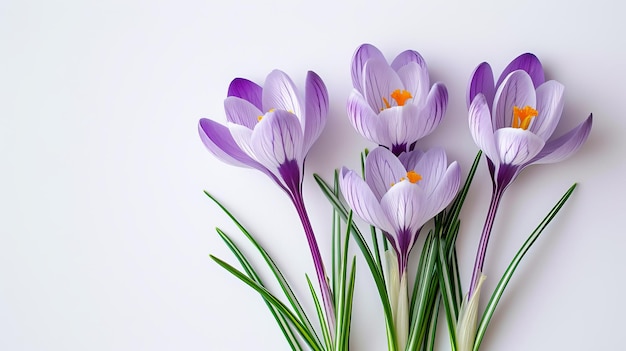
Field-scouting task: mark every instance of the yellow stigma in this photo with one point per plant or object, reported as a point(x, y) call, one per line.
point(400, 96)
point(523, 116)
point(413, 176)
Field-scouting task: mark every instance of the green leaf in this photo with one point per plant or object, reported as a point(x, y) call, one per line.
point(285, 327)
point(376, 270)
point(291, 297)
point(320, 315)
point(306, 334)
point(506, 277)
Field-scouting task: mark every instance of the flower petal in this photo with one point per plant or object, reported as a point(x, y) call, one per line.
point(316, 110)
point(550, 107)
point(403, 205)
point(382, 170)
point(241, 112)
point(416, 81)
point(445, 189)
point(277, 139)
point(362, 200)
point(379, 80)
point(218, 140)
point(400, 126)
point(517, 90)
point(481, 127)
point(362, 54)
point(410, 159)
point(247, 90)
point(280, 93)
point(431, 166)
point(481, 82)
point(363, 119)
point(517, 146)
point(433, 110)
point(528, 63)
point(566, 145)
point(406, 57)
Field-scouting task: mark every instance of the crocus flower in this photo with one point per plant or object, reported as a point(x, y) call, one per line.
point(394, 105)
point(513, 122)
point(271, 129)
point(398, 196)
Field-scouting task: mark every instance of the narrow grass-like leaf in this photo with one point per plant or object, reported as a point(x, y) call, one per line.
point(306, 334)
point(284, 326)
point(345, 341)
point(429, 345)
point(424, 292)
point(336, 243)
point(291, 297)
point(449, 303)
point(342, 308)
point(320, 315)
point(376, 270)
point(506, 277)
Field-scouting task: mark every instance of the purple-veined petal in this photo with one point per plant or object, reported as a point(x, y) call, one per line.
point(241, 112)
point(363, 119)
point(481, 128)
point(445, 189)
point(400, 125)
point(431, 166)
point(218, 140)
point(277, 139)
point(403, 205)
point(316, 110)
point(382, 170)
point(406, 57)
point(242, 136)
point(526, 62)
point(362, 200)
point(280, 93)
point(550, 106)
point(410, 159)
point(481, 82)
point(517, 90)
point(433, 110)
point(517, 146)
point(362, 54)
point(247, 90)
point(561, 148)
point(379, 81)
point(416, 81)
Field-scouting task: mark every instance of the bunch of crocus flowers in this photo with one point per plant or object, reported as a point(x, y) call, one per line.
point(403, 191)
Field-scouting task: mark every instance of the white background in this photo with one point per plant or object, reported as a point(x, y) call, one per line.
point(105, 232)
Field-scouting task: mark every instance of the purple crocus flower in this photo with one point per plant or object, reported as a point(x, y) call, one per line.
point(513, 122)
point(394, 105)
point(271, 129)
point(398, 196)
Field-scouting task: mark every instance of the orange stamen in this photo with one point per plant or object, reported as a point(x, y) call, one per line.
point(400, 96)
point(413, 176)
point(523, 116)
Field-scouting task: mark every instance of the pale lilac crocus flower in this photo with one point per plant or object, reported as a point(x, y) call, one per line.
point(271, 129)
point(398, 196)
point(393, 104)
point(513, 122)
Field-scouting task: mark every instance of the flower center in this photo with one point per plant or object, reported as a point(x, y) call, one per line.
point(412, 177)
point(260, 117)
point(400, 96)
point(523, 116)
